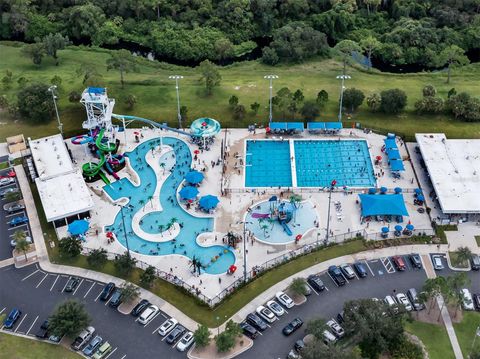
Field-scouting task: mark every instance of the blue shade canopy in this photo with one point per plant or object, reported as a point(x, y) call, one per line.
point(397, 165)
point(397, 190)
point(194, 177)
point(372, 190)
point(393, 154)
point(386, 205)
point(316, 125)
point(273, 199)
point(398, 227)
point(420, 197)
point(390, 143)
point(333, 125)
point(383, 189)
point(418, 191)
point(79, 226)
point(278, 125)
point(295, 126)
point(208, 202)
point(409, 227)
point(385, 230)
point(188, 192)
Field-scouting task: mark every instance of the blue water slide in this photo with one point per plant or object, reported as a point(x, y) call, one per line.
point(286, 228)
point(152, 123)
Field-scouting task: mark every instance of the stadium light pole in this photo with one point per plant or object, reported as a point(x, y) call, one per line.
point(52, 89)
point(332, 186)
point(124, 229)
point(244, 248)
point(176, 78)
point(270, 78)
point(343, 78)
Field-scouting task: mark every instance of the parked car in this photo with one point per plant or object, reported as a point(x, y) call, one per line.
point(292, 354)
point(266, 314)
point(15, 207)
point(336, 329)
point(103, 351)
point(248, 330)
point(475, 261)
point(175, 334)
point(347, 271)
point(256, 322)
point(13, 242)
point(6, 191)
point(467, 302)
point(336, 275)
point(42, 332)
point(284, 299)
point(413, 297)
point(340, 317)
point(316, 282)
point(476, 301)
point(403, 300)
point(292, 326)
point(391, 303)
point(83, 338)
point(116, 298)
point(148, 314)
point(276, 308)
point(299, 345)
point(308, 290)
point(415, 260)
point(93, 346)
point(185, 342)
point(55, 338)
point(17, 221)
point(167, 326)
point(328, 338)
point(5, 181)
point(13, 316)
point(72, 284)
point(360, 269)
point(107, 291)
point(399, 263)
point(437, 262)
point(140, 307)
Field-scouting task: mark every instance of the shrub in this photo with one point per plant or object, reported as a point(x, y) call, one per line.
point(393, 100)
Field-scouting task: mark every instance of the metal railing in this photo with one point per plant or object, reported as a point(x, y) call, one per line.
point(275, 190)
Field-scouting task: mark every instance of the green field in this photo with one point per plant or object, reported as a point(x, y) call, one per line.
point(156, 93)
point(434, 337)
point(466, 331)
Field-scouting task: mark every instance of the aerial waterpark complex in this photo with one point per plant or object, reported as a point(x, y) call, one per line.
point(208, 202)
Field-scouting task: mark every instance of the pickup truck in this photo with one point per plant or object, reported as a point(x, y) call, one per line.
point(42, 331)
point(83, 338)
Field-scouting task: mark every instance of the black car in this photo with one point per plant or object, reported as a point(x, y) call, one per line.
point(116, 298)
point(340, 318)
point(476, 301)
point(107, 291)
point(256, 322)
point(416, 260)
point(360, 269)
point(315, 282)
point(140, 307)
point(175, 334)
point(336, 275)
point(72, 284)
point(292, 326)
point(299, 345)
point(475, 262)
point(248, 330)
point(42, 332)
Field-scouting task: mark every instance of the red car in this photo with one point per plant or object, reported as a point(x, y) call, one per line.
point(399, 263)
point(10, 174)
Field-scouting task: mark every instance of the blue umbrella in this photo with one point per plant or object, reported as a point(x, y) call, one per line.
point(188, 192)
point(194, 177)
point(420, 197)
point(208, 202)
point(372, 190)
point(418, 191)
point(79, 226)
point(398, 228)
point(273, 199)
point(383, 189)
point(409, 227)
point(385, 230)
point(397, 190)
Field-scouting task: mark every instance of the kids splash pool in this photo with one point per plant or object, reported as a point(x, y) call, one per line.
point(215, 259)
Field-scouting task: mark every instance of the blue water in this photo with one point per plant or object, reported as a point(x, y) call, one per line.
point(139, 196)
point(268, 164)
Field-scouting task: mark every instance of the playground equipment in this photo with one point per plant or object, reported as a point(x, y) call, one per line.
point(284, 214)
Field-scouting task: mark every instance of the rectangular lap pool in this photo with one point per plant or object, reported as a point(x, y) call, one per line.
point(317, 163)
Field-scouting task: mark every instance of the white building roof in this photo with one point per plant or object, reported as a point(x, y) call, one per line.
point(65, 195)
point(50, 156)
point(454, 169)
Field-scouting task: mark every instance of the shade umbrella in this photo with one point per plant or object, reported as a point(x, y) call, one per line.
point(273, 199)
point(385, 230)
point(188, 192)
point(372, 190)
point(421, 198)
point(208, 202)
point(383, 189)
point(194, 177)
point(418, 191)
point(409, 227)
point(397, 190)
point(79, 226)
point(398, 228)
point(196, 152)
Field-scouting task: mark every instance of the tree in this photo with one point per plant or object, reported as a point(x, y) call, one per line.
point(97, 257)
point(74, 96)
point(21, 244)
point(148, 276)
point(255, 107)
point(184, 112)
point(202, 336)
point(374, 102)
point(344, 50)
point(432, 288)
point(316, 349)
point(226, 340)
point(13, 196)
point(452, 56)
point(82, 21)
point(429, 91)
point(239, 112)
point(54, 42)
point(322, 98)
point(91, 76)
point(129, 292)
point(316, 327)
point(35, 103)
point(210, 75)
point(310, 110)
point(35, 52)
point(130, 101)
point(429, 104)
point(353, 98)
point(369, 44)
point(69, 318)
point(7, 79)
point(70, 247)
point(464, 107)
point(223, 48)
point(233, 101)
point(269, 56)
point(464, 254)
point(282, 100)
point(124, 264)
point(298, 286)
point(393, 101)
point(122, 61)
point(298, 97)
point(4, 102)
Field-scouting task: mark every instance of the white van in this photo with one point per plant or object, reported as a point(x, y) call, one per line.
point(148, 314)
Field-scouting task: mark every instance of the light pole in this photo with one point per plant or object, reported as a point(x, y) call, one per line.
point(244, 248)
point(52, 89)
point(176, 78)
point(343, 78)
point(332, 186)
point(477, 334)
point(124, 229)
point(270, 78)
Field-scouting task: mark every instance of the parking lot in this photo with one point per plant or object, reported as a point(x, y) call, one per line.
point(474, 276)
point(6, 230)
point(36, 293)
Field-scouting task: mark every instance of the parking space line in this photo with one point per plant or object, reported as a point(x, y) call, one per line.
point(108, 301)
point(113, 351)
point(39, 283)
point(65, 286)
point(19, 324)
point(332, 279)
point(166, 335)
point(17, 227)
point(370, 269)
point(388, 265)
point(88, 291)
point(65, 276)
point(151, 320)
point(15, 214)
point(285, 312)
point(28, 331)
point(1, 311)
point(407, 262)
point(28, 276)
point(78, 286)
point(313, 289)
point(157, 329)
point(53, 285)
point(123, 356)
point(98, 296)
point(328, 290)
point(89, 281)
point(344, 277)
point(163, 315)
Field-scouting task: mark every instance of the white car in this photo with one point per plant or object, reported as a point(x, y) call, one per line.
point(284, 299)
point(167, 326)
point(148, 314)
point(185, 342)
point(266, 314)
point(437, 262)
point(13, 242)
point(6, 181)
point(336, 329)
point(467, 299)
point(328, 337)
point(402, 299)
point(275, 308)
point(391, 303)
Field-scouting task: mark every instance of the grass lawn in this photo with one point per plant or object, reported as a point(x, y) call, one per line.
point(477, 238)
point(456, 262)
point(434, 337)
point(13, 347)
point(156, 93)
point(466, 331)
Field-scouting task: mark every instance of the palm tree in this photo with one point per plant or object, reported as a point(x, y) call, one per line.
point(161, 227)
point(142, 203)
point(21, 243)
point(271, 221)
point(162, 166)
point(432, 288)
point(464, 254)
point(150, 200)
point(172, 222)
point(264, 226)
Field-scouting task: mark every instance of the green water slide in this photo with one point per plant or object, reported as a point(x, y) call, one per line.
point(91, 169)
point(104, 147)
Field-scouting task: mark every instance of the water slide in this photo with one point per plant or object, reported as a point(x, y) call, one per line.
point(91, 169)
point(286, 228)
point(104, 146)
point(260, 215)
point(152, 123)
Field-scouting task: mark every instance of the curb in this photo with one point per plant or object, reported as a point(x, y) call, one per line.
point(230, 356)
point(456, 269)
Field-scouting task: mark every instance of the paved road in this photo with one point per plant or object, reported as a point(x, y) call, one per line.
point(474, 276)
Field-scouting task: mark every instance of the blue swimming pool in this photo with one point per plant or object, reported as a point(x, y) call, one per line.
point(185, 243)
